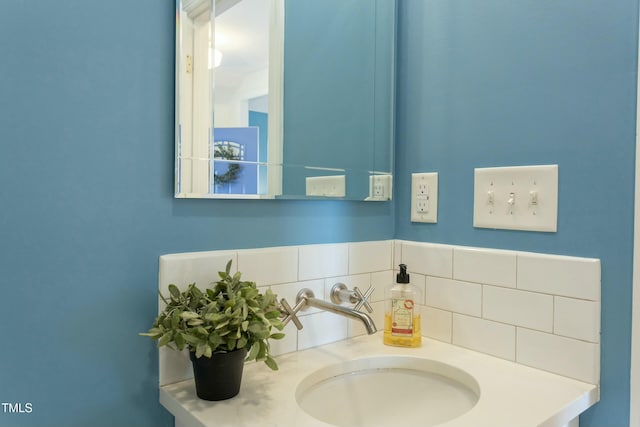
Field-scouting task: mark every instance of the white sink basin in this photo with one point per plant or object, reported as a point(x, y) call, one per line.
point(509, 394)
point(387, 390)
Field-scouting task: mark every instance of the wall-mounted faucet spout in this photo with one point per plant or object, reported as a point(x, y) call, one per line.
point(310, 300)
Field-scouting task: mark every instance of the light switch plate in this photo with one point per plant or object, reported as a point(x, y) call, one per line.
point(326, 186)
point(516, 198)
point(424, 197)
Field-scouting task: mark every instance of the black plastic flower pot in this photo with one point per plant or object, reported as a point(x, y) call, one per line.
point(218, 377)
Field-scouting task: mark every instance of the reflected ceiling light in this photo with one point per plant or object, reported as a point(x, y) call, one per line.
point(217, 58)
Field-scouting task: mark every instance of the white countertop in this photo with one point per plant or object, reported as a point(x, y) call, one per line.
point(511, 395)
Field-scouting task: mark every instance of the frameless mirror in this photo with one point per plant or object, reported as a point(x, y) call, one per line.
point(285, 99)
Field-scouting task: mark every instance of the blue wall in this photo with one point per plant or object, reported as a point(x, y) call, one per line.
point(86, 178)
point(86, 208)
point(517, 82)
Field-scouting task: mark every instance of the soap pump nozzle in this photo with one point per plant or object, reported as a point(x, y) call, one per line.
point(403, 276)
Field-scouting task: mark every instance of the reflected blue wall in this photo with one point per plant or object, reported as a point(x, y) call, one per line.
point(334, 62)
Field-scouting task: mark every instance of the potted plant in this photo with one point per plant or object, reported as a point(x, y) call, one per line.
point(221, 327)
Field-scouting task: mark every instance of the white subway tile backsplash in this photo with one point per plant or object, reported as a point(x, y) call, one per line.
point(195, 267)
point(397, 254)
point(366, 257)
point(520, 308)
point(436, 323)
point(576, 318)
point(380, 281)
point(173, 366)
point(269, 266)
point(428, 259)
point(481, 299)
point(321, 328)
point(496, 339)
point(565, 356)
point(560, 275)
point(321, 261)
point(487, 266)
point(454, 295)
point(417, 280)
point(288, 344)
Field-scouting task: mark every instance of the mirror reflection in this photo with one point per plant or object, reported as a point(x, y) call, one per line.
point(280, 99)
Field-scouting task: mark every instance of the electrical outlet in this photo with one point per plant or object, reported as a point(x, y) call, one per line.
point(424, 197)
point(380, 187)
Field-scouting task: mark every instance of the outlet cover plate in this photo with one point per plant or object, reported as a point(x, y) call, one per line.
point(516, 198)
point(380, 187)
point(424, 197)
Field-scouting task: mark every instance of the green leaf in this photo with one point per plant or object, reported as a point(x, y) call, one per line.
point(277, 323)
point(228, 267)
point(191, 339)
point(166, 338)
point(231, 343)
point(208, 352)
point(277, 336)
point(259, 330)
point(215, 340)
point(201, 331)
point(262, 353)
point(186, 315)
point(222, 325)
point(195, 322)
point(271, 363)
point(272, 314)
point(197, 293)
point(175, 319)
point(214, 317)
point(245, 325)
point(253, 352)
point(257, 327)
point(179, 340)
point(242, 342)
point(153, 333)
point(174, 291)
point(166, 322)
point(201, 349)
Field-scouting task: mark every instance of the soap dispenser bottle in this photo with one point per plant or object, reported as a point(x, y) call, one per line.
point(402, 313)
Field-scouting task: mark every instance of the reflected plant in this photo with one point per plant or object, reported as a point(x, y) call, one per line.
point(227, 153)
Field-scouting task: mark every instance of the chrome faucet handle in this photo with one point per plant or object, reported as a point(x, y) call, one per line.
point(290, 313)
point(364, 299)
point(340, 293)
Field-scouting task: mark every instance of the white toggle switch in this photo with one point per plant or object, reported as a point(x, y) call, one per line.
point(516, 198)
point(491, 197)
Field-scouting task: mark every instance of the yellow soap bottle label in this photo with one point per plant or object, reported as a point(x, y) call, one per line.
point(402, 317)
